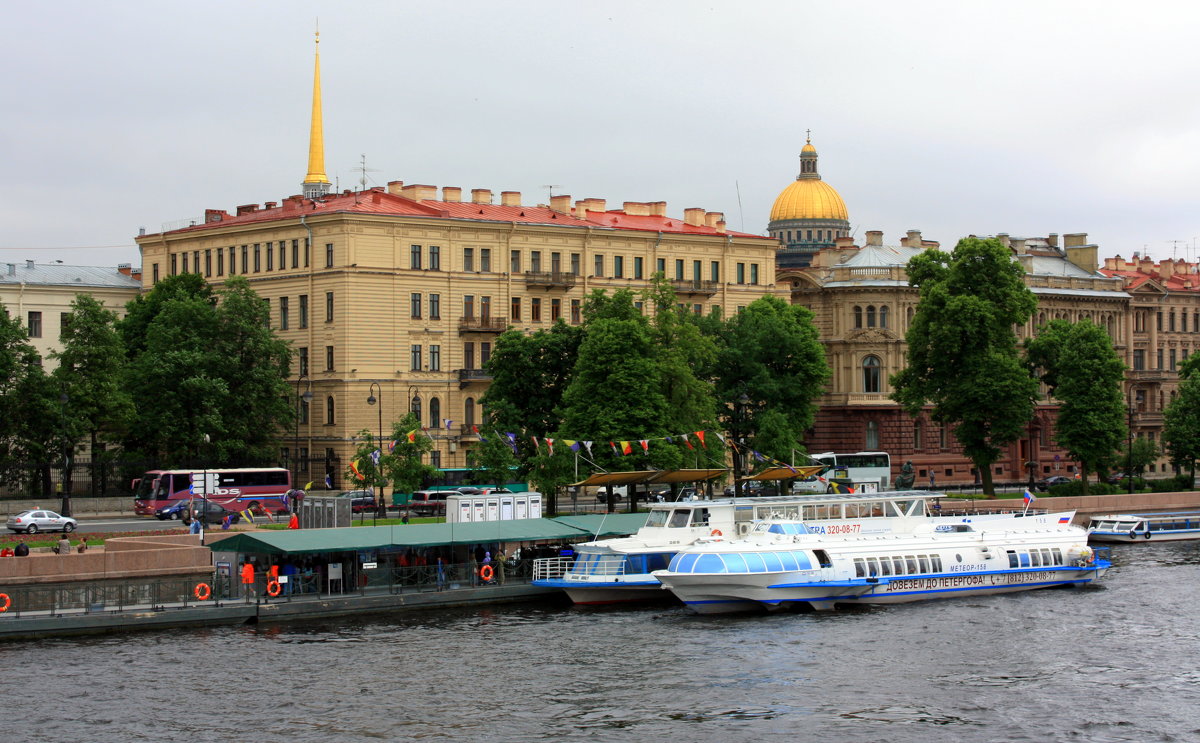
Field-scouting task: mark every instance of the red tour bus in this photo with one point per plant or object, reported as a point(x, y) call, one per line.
point(258, 489)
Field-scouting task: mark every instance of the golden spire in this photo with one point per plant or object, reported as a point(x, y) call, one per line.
point(316, 183)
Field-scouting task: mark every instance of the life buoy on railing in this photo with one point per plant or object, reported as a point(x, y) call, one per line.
point(1147, 534)
point(202, 591)
point(715, 533)
point(273, 588)
point(486, 572)
point(5, 602)
point(1132, 534)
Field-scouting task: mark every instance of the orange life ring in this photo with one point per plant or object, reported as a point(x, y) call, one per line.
point(203, 591)
point(486, 572)
point(273, 588)
point(715, 533)
point(5, 602)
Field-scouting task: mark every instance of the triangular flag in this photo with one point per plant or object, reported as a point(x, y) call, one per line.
point(588, 445)
point(375, 457)
point(412, 436)
point(645, 444)
point(700, 435)
point(572, 443)
point(550, 445)
point(626, 448)
point(613, 444)
point(718, 435)
point(687, 440)
point(448, 423)
point(308, 486)
point(354, 469)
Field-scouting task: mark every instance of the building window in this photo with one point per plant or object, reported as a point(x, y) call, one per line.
point(435, 413)
point(185, 263)
point(556, 263)
point(741, 273)
point(715, 271)
point(435, 258)
point(535, 309)
point(295, 254)
point(697, 309)
point(196, 260)
point(870, 316)
point(1159, 365)
point(697, 271)
point(435, 358)
point(514, 262)
point(599, 272)
point(35, 325)
point(174, 264)
point(328, 306)
point(858, 315)
point(679, 269)
point(469, 411)
point(435, 306)
point(660, 266)
point(282, 254)
point(414, 260)
point(514, 312)
point(245, 259)
point(883, 316)
point(270, 256)
point(870, 374)
point(64, 324)
point(415, 357)
point(639, 267)
point(1172, 359)
point(556, 309)
point(328, 255)
point(1171, 321)
point(328, 358)
point(257, 257)
point(1158, 320)
point(535, 261)
point(576, 264)
point(469, 306)
point(468, 259)
point(754, 273)
point(303, 411)
point(208, 263)
point(303, 311)
point(618, 266)
point(485, 260)
point(307, 252)
point(154, 272)
point(468, 355)
point(283, 313)
point(916, 445)
point(485, 354)
point(414, 302)
point(485, 308)
point(1139, 360)
point(220, 261)
point(872, 443)
point(304, 449)
point(302, 361)
point(576, 313)
point(329, 419)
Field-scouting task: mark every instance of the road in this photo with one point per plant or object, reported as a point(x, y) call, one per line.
point(125, 523)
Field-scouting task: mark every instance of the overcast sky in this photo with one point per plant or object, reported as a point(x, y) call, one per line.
point(952, 118)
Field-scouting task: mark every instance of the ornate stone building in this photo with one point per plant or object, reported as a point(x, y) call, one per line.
point(808, 215)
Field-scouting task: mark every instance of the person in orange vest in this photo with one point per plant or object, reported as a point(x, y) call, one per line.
point(294, 521)
point(248, 578)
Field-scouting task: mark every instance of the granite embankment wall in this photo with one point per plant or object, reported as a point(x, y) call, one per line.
point(1085, 506)
point(80, 507)
point(121, 558)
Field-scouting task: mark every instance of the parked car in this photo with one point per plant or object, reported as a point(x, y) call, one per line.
point(35, 520)
point(360, 500)
point(203, 509)
point(620, 492)
point(810, 484)
point(427, 502)
point(1117, 477)
point(1049, 482)
point(753, 488)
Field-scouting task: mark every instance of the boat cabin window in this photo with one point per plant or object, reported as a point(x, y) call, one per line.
point(856, 510)
point(1012, 558)
point(860, 568)
point(911, 563)
point(923, 562)
point(885, 566)
point(1035, 559)
point(1047, 556)
point(786, 528)
point(935, 563)
point(872, 567)
point(700, 517)
point(898, 565)
point(823, 558)
point(1057, 556)
point(679, 518)
point(657, 517)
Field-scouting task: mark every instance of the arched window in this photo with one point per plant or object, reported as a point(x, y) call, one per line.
point(883, 316)
point(916, 435)
point(870, 374)
point(870, 316)
point(469, 411)
point(329, 410)
point(435, 413)
point(908, 316)
point(857, 316)
point(872, 443)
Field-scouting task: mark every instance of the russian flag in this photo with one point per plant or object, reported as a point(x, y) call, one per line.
point(1064, 519)
point(1029, 497)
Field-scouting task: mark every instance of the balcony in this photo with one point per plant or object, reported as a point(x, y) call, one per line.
point(684, 286)
point(467, 429)
point(482, 324)
point(551, 279)
point(469, 376)
point(1148, 375)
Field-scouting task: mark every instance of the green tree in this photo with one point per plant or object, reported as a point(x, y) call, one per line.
point(1079, 365)
point(141, 311)
point(32, 429)
point(1181, 429)
point(405, 465)
point(772, 369)
point(962, 350)
point(91, 373)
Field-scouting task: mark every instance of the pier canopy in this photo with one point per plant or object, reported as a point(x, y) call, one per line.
point(785, 473)
point(641, 477)
point(347, 539)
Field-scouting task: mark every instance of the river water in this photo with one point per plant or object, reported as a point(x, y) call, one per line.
point(1111, 662)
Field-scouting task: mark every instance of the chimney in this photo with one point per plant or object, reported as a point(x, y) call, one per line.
point(451, 194)
point(561, 203)
point(1166, 269)
point(693, 217)
point(712, 219)
point(842, 243)
point(1052, 239)
point(658, 208)
point(141, 231)
point(247, 209)
point(213, 215)
point(510, 198)
point(125, 268)
point(1003, 237)
point(418, 192)
point(720, 225)
point(874, 237)
point(395, 187)
point(583, 206)
point(481, 195)
point(637, 209)
point(137, 273)
point(1018, 245)
point(12, 269)
point(269, 205)
point(28, 264)
point(1083, 256)
point(913, 239)
point(1074, 239)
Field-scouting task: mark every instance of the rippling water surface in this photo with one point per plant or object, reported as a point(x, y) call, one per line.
point(1113, 662)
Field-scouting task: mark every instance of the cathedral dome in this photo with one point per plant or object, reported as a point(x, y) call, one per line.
point(808, 198)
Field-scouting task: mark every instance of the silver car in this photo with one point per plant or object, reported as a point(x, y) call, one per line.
point(33, 521)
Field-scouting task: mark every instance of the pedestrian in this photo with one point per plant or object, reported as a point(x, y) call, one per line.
point(932, 481)
point(248, 578)
point(22, 550)
point(404, 518)
point(500, 566)
point(83, 545)
point(64, 546)
point(441, 575)
point(196, 527)
point(294, 521)
point(6, 552)
point(227, 522)
point(289, 573)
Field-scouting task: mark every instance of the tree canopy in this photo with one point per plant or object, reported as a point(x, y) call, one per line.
point(962, 350)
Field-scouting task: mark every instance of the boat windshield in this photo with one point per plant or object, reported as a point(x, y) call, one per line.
point(657, 517)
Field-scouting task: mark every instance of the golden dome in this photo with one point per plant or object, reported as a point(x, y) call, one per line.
point(808, 147)
point(809, 198)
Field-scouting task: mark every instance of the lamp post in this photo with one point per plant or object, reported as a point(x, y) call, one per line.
point(1129, 446)
point(739, 421)
point(414, 405)
point(380, 506)
point(302, 401)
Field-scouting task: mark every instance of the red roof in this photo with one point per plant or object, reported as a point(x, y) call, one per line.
point(378, 201)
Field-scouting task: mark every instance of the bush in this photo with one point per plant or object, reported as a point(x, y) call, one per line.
point(1075, 487)
point(1171, 484)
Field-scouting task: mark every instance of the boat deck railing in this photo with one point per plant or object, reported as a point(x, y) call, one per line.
point(556, 568)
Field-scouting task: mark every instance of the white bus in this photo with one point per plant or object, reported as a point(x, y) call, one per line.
point(869, 471)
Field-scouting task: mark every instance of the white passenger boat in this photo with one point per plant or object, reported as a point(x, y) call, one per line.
point(1170, 526)
point(781, 563)
point(621, 569)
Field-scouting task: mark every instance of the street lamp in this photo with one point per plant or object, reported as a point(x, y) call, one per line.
point(302, 402)
point(1129, 446)
point(380, 507)
point(739, 420)
point(415, 402)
